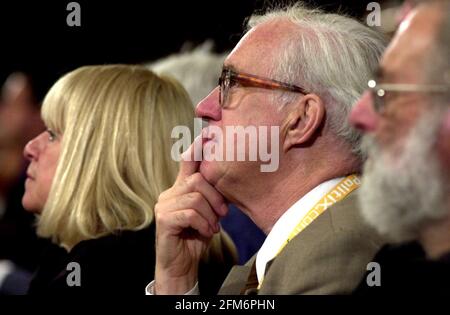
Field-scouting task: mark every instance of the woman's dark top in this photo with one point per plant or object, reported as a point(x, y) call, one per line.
point(122, 263)
point(114, 264)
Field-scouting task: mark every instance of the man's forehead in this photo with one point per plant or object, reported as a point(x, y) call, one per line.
point(409, 48)
point(257, 50)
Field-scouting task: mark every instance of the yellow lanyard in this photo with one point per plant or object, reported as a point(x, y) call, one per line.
point(336, 194)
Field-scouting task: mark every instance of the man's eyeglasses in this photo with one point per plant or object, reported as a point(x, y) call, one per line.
point(230, 77)
point(379, 91)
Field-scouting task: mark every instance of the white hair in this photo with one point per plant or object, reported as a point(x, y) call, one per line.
point(332, 56)
point(403, 192)
point(197, 70)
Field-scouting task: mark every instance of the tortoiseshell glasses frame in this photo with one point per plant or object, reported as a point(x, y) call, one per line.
point(229, 77)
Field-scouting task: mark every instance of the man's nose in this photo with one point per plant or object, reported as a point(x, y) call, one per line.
point(209, 108)
point(363, 115)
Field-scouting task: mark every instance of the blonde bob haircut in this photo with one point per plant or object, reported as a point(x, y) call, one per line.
point(115, 124)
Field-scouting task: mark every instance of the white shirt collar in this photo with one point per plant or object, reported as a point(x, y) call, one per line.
point(287, 222)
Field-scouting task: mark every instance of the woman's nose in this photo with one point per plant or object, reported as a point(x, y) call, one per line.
point(31, 150)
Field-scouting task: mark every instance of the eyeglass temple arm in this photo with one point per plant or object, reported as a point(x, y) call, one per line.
point(412, 87)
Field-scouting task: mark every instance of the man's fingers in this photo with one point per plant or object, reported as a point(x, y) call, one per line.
point(197, 183)
point(192, 219)
point(183, 220)
point(193, 200)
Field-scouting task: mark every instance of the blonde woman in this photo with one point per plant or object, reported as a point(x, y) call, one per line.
point(95, 175)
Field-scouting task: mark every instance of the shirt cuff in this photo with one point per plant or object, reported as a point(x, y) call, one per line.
point(150, 289)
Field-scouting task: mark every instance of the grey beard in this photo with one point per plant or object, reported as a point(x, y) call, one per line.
point(400, 194)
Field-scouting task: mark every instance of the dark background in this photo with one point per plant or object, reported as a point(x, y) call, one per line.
point(36, 39)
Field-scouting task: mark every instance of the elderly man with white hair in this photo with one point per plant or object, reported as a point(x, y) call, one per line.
point(298, 70)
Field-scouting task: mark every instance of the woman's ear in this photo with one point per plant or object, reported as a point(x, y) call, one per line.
point(304, 120)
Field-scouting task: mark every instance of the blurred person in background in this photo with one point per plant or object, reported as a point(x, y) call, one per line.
point(19, 122)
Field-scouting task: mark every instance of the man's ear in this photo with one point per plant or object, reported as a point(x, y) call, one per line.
point(303, 121)
point(444, 141)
